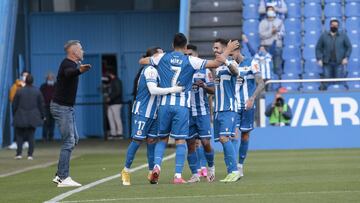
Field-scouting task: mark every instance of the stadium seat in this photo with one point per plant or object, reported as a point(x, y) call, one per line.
point(254, 39)
point(355, 53)
point(251, 11)
point(333, 1)
point(292, 38)
point(310, 86)
point(354, 64)
point(333, 9)
point(352, 23)
point(336, 87)
point(312, 9)
point(309, 51)
point(292, 24)
point(311, 37)
point(292, 66)
point(294, 10)
point(354, 73)
point(311, 66)
point(247, 2)
point(312, 23)
point(313, 1)
point(354, 85)
point(352, 9)
point(291, 52)
point(251, 25)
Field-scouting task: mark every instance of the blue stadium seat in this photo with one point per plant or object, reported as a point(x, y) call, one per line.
point(250, 11)
point(311, 37)
point(312, 9)
point(311, 66)
point(355, 53)
point(309, 51)
point(354, 74)
point(294, 10)
point(333, 9)
point(294, 1)
point(291, 52)
point(293, 24)
point(292, 38)
point(312, 23)
point(333, 1)
point(254, 39)
point(311, 75)
point(251, 25)
point(352, 9)
point(354, 64)
point(354, 85)
point(310, 86)
point(292, 66)
point(352, 23)
point(290, 86)
point(313, 1)
point(247, 2)
point(336, 87)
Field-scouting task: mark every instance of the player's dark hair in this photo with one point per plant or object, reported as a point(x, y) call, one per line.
point(221, 41)
point(29, 80)
point(192, 47)
point(180, 40)
point(151, 51)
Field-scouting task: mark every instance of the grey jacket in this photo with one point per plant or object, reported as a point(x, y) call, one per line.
point(266, 35)
point(324, 47)
point(28, 107)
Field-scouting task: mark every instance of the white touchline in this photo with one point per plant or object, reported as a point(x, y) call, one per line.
point(98, 182)
point(212, 196)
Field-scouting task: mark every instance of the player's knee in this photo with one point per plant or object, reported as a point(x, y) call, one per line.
point(151, 140)
point(207, 145)
point(137, 141)
point(245, 136)
point(223, 139)
point(180, 141)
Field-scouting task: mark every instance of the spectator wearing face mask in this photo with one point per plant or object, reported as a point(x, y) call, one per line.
point(271, 31)
point(333, 50)
point(278, 5)
point(47, 89)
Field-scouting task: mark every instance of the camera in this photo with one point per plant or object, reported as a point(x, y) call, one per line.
point(279, 102)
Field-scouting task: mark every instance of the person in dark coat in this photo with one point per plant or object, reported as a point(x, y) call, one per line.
point(115, 103)
point(28, 111)
point(47, 89)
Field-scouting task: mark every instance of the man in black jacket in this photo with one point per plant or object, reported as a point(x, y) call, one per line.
point(115, 103)
point(62, 108)
point(28, 110)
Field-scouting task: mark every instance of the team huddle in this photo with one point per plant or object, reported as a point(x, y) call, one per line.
point(172, 101)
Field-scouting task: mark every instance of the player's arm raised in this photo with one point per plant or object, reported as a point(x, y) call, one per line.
point(232, 45)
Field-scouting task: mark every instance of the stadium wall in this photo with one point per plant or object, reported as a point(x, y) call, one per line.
point(125, 34)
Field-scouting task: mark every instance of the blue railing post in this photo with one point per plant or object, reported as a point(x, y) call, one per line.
point(184, 17)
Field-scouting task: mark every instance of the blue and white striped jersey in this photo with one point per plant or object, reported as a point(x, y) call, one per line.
point(265, 65)
point(247, 70)
point(224, 90)
point(146, 104)
point(175, 68)
point(199, 97)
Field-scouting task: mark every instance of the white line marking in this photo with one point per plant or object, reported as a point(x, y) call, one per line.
point(98, 182)
point(210, 196)
point(45, 165)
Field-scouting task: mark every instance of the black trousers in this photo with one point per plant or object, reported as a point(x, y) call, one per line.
point(25, 134)
point(49, 125)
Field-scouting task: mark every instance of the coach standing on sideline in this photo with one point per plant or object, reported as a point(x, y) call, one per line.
point(62, 108)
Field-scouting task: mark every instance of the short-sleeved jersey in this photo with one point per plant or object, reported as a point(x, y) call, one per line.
point(246, 88)
point(224, 90)
point(199, 97)
point(146, 104)
point(175, 68)
point(265, 65)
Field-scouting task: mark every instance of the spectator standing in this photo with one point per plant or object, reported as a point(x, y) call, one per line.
point(47, 89)
point(279, 6)
point(115, 100)
point(62, 108)
point(28, 111)
point(279, 112)
point(271, 31)
point(333, 50)
point(264, 59)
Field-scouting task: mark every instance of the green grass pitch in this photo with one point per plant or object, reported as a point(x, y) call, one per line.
point(326, 175)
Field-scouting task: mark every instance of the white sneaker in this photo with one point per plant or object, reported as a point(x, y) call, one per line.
point(68, 182)
point(211, 174)
point(30, 158)
point(18, 157)
point(194, 178)
point(57, 180)
point(25, 145)
point(13, 146)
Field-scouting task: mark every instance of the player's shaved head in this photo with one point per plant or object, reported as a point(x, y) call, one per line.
point(179, 41)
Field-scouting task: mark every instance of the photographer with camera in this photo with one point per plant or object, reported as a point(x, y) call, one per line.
point(279, 112)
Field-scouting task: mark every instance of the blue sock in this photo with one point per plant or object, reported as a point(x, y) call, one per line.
point(192, 160)
point(229, 152)
point(180, 157)
point(235, 143)
point(131, 151)
point(210, 158)
point(198, 163)
point(150, 155)
point(159, 152)
point(243, 150)
point(201, 156)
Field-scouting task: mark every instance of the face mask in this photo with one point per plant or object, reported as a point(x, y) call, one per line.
point(333, 29)
point(271, 13)
point(50, 82)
